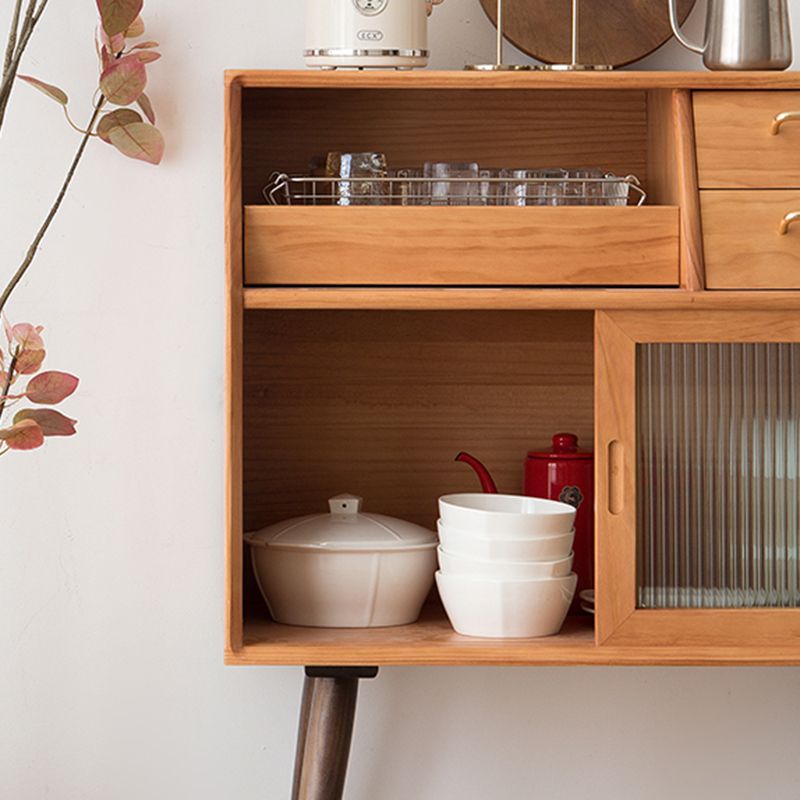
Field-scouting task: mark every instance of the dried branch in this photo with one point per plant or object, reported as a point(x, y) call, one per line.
point(31, 19)
point(29, 256)
point(12, 36)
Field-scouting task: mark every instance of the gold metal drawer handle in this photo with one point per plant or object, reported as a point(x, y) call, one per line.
point(784, 116)
point(786, 222)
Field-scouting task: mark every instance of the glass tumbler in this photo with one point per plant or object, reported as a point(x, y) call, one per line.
point(585, 187)
point(359, 178)
point(491, 188)
point(463, 191)
point(408, 187)
point(534, 187)
point(616, 190)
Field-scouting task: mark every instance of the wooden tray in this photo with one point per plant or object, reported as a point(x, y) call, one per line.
point(614, 32)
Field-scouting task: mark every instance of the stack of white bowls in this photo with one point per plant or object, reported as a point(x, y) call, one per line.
point(505, 564)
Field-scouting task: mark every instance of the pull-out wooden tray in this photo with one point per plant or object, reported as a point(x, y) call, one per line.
point(461, 246)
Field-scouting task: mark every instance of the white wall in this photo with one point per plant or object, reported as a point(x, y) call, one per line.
point(111, 544)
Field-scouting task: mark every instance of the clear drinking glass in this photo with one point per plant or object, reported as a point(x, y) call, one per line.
point(491, 189)
point(584, 187)
point(534, 187)
point(408, 188)
point(615, 192)
point(359, 178)
point(464, 191)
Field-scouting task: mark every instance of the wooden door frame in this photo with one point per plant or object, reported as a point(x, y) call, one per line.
point(618, 620)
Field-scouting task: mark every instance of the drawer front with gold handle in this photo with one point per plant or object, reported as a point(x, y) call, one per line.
point(752, 239)
point(748, 140)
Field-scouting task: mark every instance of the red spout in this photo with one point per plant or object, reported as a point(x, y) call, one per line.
point(487, 484)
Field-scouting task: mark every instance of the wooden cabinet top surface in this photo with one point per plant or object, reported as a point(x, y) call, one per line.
point(458, 79)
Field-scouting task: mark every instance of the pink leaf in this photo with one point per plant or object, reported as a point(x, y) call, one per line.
point(138, 140)
point(124, 81)
point(52, 422)
point(23, 435)
point(118, 15)
point(147, 56)
point(106, 59)
point(53, 92)
point(29, 361)
point(135, 29)
point(147, 107)
point(116, 44)
point(145, 46)
point(49, 388)
point(27, 336)
point(122, 116)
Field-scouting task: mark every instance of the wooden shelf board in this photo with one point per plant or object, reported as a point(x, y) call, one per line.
point(432, 642)
point(506, 299)
point(458, 79)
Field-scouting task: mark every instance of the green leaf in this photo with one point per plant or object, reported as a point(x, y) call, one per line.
point(53, 92)
point(138, 140)
point(122, 116)
point(147, 107)
point(52, 422)
point(124, 81)
point(118, 15)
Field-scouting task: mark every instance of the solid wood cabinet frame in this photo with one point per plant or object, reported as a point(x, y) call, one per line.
point(272, 121)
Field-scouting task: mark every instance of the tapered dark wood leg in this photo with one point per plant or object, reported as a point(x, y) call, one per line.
point(325, 731)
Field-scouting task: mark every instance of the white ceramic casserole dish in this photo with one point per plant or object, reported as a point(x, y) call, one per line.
point(344, 569)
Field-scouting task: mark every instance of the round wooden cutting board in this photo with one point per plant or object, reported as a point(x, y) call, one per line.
point(614, 32)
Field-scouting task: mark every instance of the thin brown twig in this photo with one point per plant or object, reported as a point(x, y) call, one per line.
point(11, 46)
point(9, 377)
point(29, 256)
point(32, 17)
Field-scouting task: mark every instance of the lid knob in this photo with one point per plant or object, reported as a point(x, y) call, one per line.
point(345, 504)
point(565, 443)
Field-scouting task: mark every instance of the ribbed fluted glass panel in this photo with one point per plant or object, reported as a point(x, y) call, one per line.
point(718, 440)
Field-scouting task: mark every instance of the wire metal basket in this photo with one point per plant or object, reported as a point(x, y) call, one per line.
point(401, 190)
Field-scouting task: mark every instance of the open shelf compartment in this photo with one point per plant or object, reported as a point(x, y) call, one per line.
point(283, 129)
point(378, 404)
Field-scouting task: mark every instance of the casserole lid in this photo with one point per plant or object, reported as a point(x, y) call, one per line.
point(344, 528)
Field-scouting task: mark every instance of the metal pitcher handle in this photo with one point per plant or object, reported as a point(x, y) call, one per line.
point(676, 29)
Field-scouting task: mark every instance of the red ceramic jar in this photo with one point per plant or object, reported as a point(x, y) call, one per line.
point(567, 474)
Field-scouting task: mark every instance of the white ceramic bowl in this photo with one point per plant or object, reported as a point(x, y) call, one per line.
point(503, 609)
point(508, 516)
point(491, 548)
point(455, 564)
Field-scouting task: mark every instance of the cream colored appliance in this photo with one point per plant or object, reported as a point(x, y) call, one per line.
point(367, 33)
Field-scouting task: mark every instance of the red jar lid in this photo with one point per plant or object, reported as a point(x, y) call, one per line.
point(565, 445)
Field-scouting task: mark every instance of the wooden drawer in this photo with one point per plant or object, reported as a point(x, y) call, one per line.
point(743, 246)
point(735, 146)
point(331, 246)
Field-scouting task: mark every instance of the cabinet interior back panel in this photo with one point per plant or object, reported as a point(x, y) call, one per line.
point(284, 129)
point(378, 404)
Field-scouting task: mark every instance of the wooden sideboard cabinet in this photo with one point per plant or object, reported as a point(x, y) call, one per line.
point(366, 346)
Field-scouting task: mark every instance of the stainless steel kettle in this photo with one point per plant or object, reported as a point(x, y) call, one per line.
point(742, 34)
